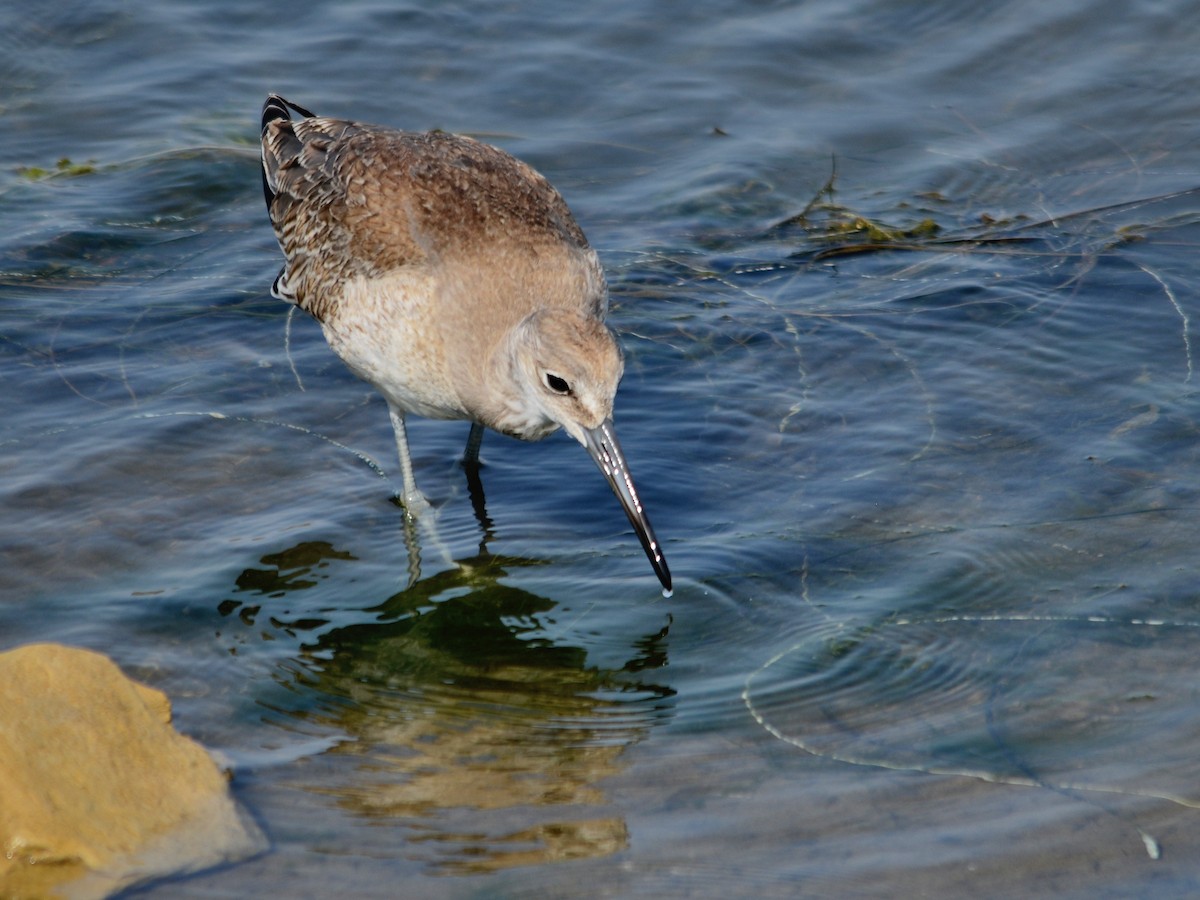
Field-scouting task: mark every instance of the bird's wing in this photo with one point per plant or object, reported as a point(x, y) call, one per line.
point(349, 199)
point(308, 191)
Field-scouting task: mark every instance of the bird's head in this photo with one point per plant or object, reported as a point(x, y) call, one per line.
point(568, 366)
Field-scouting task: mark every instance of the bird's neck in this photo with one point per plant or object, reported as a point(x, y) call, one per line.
point(511, 406)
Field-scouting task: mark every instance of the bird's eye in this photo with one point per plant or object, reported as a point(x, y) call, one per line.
point(556, 384)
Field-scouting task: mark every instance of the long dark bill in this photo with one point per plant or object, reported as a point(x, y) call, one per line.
point(601, 443)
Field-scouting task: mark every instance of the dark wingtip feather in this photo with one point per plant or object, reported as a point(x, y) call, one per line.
point(275, 109)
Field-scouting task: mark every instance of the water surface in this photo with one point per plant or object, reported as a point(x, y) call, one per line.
point(906, 292)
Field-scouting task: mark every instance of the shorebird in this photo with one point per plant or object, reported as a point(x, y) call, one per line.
point(453, 278)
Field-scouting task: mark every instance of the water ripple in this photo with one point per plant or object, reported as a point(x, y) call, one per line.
point(1046, 701)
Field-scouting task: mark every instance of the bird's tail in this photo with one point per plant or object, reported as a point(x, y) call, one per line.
point(277, 141)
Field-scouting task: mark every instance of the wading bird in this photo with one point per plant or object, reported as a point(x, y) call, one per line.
point(454, 279)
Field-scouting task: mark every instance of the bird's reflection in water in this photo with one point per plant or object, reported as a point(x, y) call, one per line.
point(469, 724)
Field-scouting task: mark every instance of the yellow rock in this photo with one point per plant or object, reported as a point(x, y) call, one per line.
point(97, 790)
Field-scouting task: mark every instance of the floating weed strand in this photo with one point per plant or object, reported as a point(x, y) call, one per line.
point(60, 371)
point(914, 373)
point(369, 461)
point(287, 346)
point(1187, 338)
point(219, 416)
point(564, 628)
point(994, 730)
point(1150, 843)
point(790, 319)
point(427, 525)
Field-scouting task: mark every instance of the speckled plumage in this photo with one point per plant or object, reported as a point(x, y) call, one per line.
point(453, 278)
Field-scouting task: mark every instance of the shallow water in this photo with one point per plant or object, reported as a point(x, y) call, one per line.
point(929, 492)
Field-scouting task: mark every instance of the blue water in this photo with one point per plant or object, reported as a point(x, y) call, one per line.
point(907, 297)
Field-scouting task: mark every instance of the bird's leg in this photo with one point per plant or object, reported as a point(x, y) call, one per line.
point(470, 464)
point(421, 516)
point(474, 439)
point(414, 501)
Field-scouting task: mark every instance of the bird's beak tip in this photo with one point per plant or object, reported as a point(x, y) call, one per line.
point(601, 443)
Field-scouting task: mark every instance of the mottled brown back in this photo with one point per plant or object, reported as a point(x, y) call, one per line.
point(350, 200)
